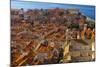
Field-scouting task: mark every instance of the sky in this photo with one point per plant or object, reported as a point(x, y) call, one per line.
point(86, 9)
point(39, 5)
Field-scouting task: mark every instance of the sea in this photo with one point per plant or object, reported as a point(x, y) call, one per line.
point(87, 10)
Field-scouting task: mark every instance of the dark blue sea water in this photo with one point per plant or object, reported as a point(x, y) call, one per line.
point(85, 9)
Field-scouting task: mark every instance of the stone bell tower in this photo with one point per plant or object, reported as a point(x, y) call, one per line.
point(66, 56)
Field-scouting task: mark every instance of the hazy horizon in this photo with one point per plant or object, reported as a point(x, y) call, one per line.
point(86, 9)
